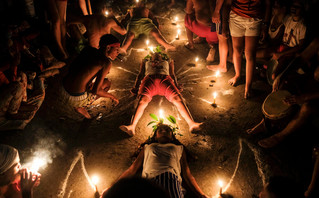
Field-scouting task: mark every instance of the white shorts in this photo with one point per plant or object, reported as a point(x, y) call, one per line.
point(242, 26)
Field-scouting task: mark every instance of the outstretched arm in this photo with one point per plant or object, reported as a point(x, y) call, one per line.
point(188, 177)
point(137, 164)
point(118, 27)
point(139, 78)
point(172, 73)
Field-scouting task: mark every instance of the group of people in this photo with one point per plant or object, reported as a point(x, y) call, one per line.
point(237, 27)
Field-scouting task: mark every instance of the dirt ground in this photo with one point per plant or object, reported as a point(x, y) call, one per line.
point(72, 147)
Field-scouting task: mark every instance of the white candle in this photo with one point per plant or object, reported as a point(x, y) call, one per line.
point(220, 182)
point(215, 95)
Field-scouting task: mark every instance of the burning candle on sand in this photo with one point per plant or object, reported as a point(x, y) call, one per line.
point(174, 21)
point(220, 184)
point(106, 13)
point(95, 180)
point(196, 61)
point(214, 95)
point(217, 74)
point(178, 33)
point(161, 114)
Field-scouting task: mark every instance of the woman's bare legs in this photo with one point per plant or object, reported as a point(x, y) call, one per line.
point(238, 47)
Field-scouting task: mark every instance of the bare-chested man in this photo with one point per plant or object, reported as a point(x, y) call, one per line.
point(199, 19)
point(98, 25)
point(91, 63)
point(142, 21)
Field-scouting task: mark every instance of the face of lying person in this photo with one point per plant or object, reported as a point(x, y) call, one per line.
point(156, 59)
point(113, 51)
point(164, 135)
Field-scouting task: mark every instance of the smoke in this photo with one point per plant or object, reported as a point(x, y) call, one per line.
point(47, 147)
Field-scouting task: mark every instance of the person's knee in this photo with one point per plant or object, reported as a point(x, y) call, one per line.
point(176, 99)
point(145, 100)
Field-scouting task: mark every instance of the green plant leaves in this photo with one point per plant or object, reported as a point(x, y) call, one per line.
point(152, 122)
point(171, 119)
point(154, 116)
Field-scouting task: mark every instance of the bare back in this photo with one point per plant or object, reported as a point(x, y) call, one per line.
point(203, 10)
point(90, 64)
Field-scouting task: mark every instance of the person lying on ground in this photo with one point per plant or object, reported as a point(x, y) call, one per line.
point(78, 89)
point(14, 181)
point(163, 161)
point(141, 21)
point(157, 77)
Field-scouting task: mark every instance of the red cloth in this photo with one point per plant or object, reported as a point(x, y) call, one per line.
point(3, 79)
point(162, 85)
point(247, 8)
point(282, 48)
point(201, 30)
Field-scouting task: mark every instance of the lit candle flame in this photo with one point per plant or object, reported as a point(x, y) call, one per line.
point(36, 164)
point(178, 33)
point(220, 183)
point(137, 1)
point(151, 48)
point(176, 18)
point(217, 74)
point(196, 59)
point(147, 42)
point(95, 180)
point(215, 95)
point(106, 13)
point(161, 114)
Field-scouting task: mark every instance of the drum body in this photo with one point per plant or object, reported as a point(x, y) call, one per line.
point(277, 114)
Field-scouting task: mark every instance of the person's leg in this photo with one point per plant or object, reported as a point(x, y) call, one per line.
point(106, 85)
point(250, 54)
point(160, 39)
point(295, 124)
point(142, 104)
point(128, 41)
point(238, 47)
point(223, 50)
point(61, 6)
point(183, 110)
point(190, 43)
point(84, 112)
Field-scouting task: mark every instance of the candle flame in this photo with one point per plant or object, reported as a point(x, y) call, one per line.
point(106, 13)
point(151, 48)
point(36, 164)
point(95, 180)
point(220, 183)
point(215, 94)
point(178, 31)
point(176, 18)
point(217, 73)
point(196, 59)
point(137, 1)
point(161, 113)
point(147, 42)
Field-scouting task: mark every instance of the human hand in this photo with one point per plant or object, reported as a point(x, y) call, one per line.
point(291, 100)
point(29, 180)
point(216, 17)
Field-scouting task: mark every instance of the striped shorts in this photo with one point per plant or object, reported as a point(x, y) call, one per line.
point(170, 183)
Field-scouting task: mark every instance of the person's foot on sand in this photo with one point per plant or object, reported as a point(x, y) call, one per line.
point(83, 112)
point(259, 128)
point(270, 142)
point(217, 68)
point(130, 130)
point(248, 94)
point(170, 48)
point(195, 126)
point(234, 80)
point(189, 46)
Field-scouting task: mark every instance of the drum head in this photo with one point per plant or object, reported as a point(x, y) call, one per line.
point(274, 107)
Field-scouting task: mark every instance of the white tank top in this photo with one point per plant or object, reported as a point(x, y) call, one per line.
point(161, 158)
point(161, 68)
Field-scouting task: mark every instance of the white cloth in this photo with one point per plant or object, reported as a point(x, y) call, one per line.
point(161, 68)
point(160, 158)
point(298, 33)
point(273, 34)
point(8, 157)
point(240, 26)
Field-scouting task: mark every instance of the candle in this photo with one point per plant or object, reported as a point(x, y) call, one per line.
point(137, 1)
point(175, 19)
point(215, 95)
point(196, 61)
point(220, 184)
point(95, 180)
point(151, 48)
point(147, 42)
point(106, 13)
point(161, 114)
point(217, 74)
point(178, 33)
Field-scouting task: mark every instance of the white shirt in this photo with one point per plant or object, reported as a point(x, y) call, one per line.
point(297, 29)
point(161, 158)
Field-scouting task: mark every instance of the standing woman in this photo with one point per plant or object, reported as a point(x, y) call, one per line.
point(247, 20)
point(57, 11)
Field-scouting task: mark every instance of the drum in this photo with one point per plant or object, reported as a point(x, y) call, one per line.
point(277, 113)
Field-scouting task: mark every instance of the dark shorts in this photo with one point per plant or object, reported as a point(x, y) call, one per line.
point(169, 182)
point(162, 85)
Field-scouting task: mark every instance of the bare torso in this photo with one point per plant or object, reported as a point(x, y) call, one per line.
point(203, 11)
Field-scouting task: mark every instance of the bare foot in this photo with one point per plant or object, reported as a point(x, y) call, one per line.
point(195, 126)
point(234, 80)
point(248, 94)
point(217, 67)
point(259, 128)
point(189, 46)
point(83, 112)
point(270, 142)
point(130, 130)
point(170, 48)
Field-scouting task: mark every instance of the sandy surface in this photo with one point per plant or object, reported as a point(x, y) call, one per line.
point(72, 147)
